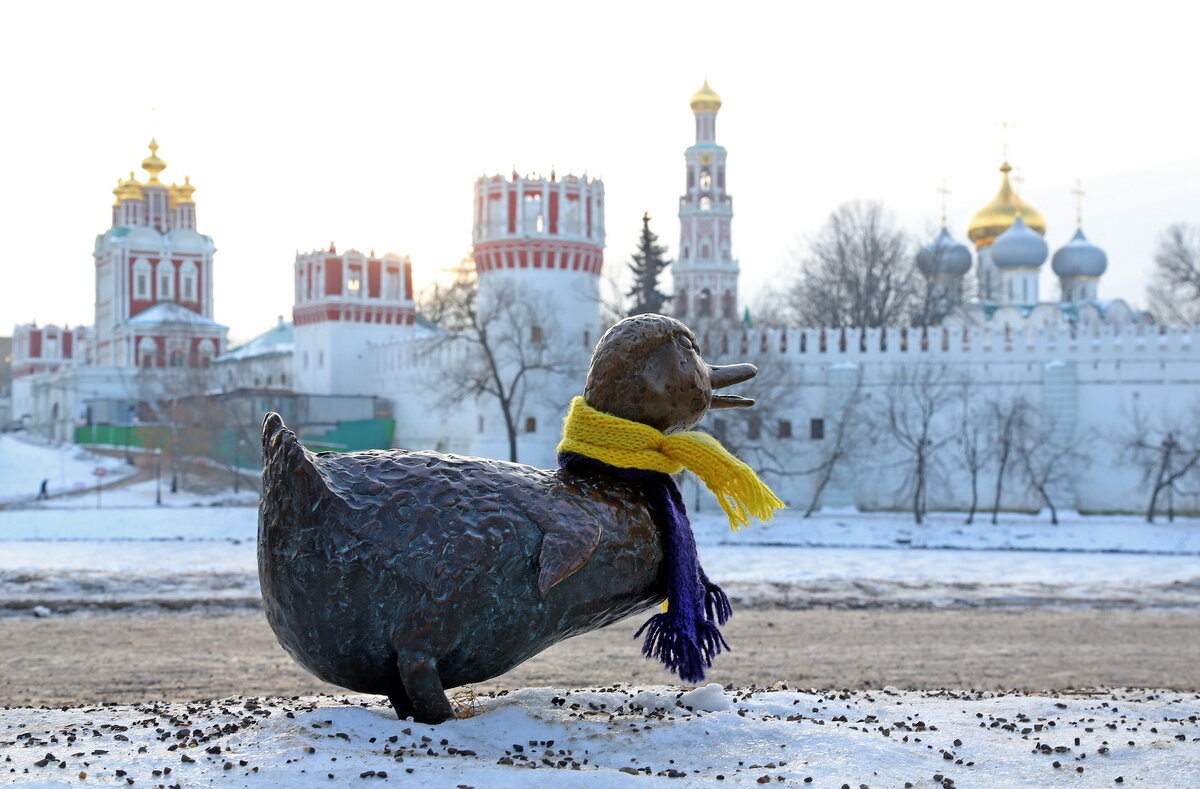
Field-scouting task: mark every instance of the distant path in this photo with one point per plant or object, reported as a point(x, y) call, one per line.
point(129, 657)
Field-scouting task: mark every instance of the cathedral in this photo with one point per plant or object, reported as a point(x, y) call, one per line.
point(153, 314)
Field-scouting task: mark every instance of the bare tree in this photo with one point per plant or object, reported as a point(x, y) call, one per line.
point(1048, 456)
point(859, 272)
point(1167, 452)
point(917, 399)
point(1006, 423)
point(767, 439)
point(509, 337)
point(1175, 288)
point(844, 439)
point(972, 432)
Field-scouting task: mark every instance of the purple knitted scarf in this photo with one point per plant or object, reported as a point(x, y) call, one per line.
point(685, 637)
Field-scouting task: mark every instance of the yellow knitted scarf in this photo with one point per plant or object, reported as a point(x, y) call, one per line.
point(628, 444)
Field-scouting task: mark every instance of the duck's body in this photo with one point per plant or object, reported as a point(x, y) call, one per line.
point(404, 573)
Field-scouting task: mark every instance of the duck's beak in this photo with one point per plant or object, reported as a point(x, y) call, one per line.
point(728, 375)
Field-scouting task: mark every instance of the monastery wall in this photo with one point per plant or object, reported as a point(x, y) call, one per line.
point(1085, 394)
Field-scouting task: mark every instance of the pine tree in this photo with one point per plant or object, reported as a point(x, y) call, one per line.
point(648, 263)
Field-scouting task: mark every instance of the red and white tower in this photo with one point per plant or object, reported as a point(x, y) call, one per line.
point(154, 299)
point(343, 303)
point(705, 275)
point(544, 236)
point(539, 252)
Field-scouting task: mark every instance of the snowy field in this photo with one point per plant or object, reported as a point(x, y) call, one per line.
point(617, 737)
point(67, 469)
point(133, 553)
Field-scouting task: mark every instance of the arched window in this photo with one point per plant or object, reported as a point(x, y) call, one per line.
point(165, 281)
point(705, 306)
point(147, 352)
point(728, 305)
point(681, 303)
point(177, 358)
point(705, 180)
point(141, 278)
point(187, 281)
point(706, 203)
point(205, 351)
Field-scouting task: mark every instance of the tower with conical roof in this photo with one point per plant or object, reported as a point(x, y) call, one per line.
point(705, 273)
point(988, 224)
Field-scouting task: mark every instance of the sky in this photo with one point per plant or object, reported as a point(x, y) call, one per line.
point(366, 124)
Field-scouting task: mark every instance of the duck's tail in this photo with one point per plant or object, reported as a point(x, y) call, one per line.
point(291, 483)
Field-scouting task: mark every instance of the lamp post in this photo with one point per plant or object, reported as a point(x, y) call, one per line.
point(237, 458)
point(158, 476)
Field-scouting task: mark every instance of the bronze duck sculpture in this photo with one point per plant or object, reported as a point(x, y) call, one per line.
point(405, 573)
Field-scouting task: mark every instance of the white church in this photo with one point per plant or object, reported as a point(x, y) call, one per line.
point(1037, 401)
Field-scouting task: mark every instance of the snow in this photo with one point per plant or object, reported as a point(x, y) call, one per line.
point(75, 557)
point(24, 464)
point(849, 529)
point(170, 312)
point(547, 737)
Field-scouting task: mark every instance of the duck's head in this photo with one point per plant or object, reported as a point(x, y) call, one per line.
point(648, 369)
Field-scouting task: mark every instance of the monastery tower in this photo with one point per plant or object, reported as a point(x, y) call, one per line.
point(543, 237)
point(344, 302)
point(705, 275)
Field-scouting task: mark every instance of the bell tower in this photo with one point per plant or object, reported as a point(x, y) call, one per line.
point(705, 273)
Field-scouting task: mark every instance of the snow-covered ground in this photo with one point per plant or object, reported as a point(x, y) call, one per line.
point(67, 468)
point(66, 554)
point(616, 737)
point(145, 495)
point(68, 558)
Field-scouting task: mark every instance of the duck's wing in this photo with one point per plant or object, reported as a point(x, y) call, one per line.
point(566, 547)
point(571, 527)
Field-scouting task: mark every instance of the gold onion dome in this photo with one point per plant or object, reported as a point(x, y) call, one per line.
point(182, 193)
point(153, 165)
point(706, 99)
point(128, 190)
point(999, 215)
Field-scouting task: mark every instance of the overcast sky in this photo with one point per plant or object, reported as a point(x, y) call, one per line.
point(367, 123)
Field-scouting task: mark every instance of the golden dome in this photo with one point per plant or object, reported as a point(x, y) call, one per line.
point(998, 215)
point(706, 99)
point(128, 190)
point(117, 190)
point(153, 165)
point(182, 193)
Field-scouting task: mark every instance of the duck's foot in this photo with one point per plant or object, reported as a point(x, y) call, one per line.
point(420, 695)
point(401, 704)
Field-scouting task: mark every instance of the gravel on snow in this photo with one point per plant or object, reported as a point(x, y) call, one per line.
point(621, 736)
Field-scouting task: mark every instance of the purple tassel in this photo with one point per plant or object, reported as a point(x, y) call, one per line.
point(686, 637)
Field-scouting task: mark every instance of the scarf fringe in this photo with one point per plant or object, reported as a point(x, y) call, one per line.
point(716, 603)
point(683, 653)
